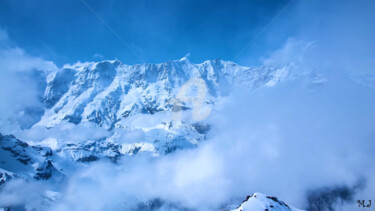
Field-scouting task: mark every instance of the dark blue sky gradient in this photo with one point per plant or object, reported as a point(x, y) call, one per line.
point(67, 31)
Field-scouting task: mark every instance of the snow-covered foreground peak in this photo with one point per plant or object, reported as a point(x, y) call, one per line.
point(107, 92)
point(261, 202)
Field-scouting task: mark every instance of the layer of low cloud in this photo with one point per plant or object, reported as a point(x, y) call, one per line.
point(283, 141)
point(63, 133)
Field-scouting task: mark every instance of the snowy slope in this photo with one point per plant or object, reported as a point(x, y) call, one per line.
point(261, 202)
point(24, 160)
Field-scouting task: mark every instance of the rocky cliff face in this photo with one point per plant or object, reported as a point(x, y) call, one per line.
point(22, 160)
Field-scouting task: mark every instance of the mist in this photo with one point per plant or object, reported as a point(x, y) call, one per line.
point(285, 141)
point(308, 140)
point(22, 84)
point(301, 137)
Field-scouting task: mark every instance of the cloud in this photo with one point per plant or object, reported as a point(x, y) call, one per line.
point(340, 34)
point(16, 193)
point(185, 179)
point(292, 52)
point(16, 60)
point(98, 56)
point(21, 85)
point(284, 141)
point(64, 132)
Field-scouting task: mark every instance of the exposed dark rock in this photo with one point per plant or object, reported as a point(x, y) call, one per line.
point(89, 158)
point(158, 204)
point(201, 128)
point(276, 200)
point(16, 148)
point(327, 198)
point(45, 171)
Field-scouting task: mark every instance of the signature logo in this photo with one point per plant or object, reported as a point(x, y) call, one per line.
point(199, 110)
point(364, 203)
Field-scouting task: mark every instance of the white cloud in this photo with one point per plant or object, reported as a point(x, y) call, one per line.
point(293, 52)
point(98, 56)
point(282, 141)
point(20, 84)
point(16, 60)
point(64, 132)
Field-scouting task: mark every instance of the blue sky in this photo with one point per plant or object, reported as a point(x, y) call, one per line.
point(67, 31)
point(241, 31)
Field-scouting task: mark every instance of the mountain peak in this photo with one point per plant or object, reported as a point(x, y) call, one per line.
point(186, 57)
point(261, 202)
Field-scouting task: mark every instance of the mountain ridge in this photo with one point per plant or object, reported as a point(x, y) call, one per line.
point(131, 107)
point(105, 92)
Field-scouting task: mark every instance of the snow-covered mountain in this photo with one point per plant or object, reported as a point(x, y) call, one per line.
point(107, 92)
point(261, 202)
point(138, 99)
point(113, 95)
point(134, 104)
